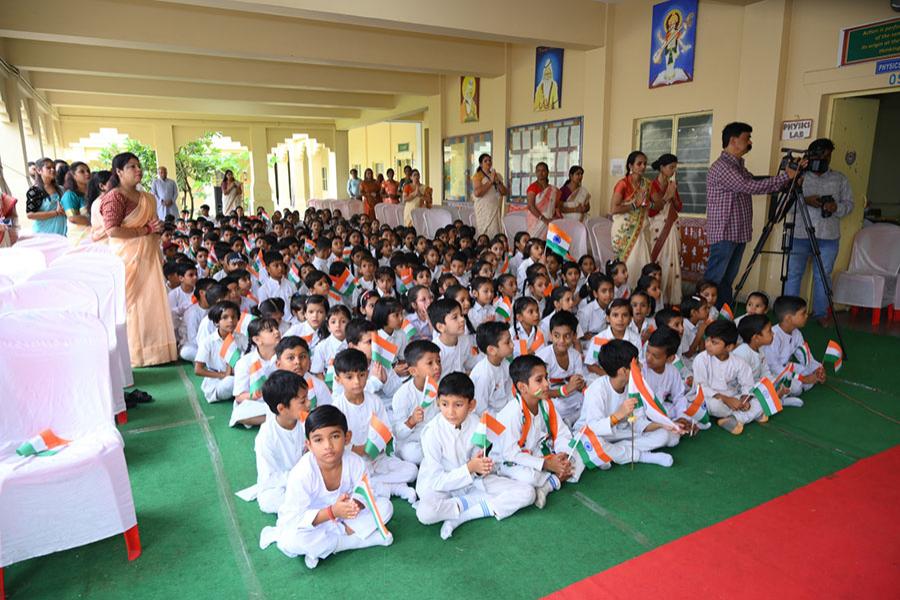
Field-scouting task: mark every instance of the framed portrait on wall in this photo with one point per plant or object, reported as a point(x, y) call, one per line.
point(672, 42)
point(548, 72)
point(469, 98)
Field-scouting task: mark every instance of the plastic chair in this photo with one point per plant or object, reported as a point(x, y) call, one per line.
point(871, 279)
point(21, 263)
point(513, 223)
point(601, 230)
point(354, 207)
point(466, 214)
point(578, 232)
point(435, 218)
point(381, 212)
point(50, 245)
point(82, 494)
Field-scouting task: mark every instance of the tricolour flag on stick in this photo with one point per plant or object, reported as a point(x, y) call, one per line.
point(45, 443)
point(696, 410)
point(211, 259)
point(409, 329)
point(333, 294)
point(786, 377)
point(405, 279)
point(345, 283)
point(429, 393)
point(243, 324)
point(639, 390)
point(308, 246)
point(590, 449)
point(596, 343)
point(294, 275)
point(503, 267)
point(682, 369)
point(380, 438)
point(764, 392)
point(503, 308)
point(834, 354)
point(346, 253)
point(803, 354)
point(488, 432)
point(558, 240)
point(257, 379)
point(726, 313)
point(383, 350)
point(364, 490)
point(230, 352)
point(311, 393)
point(259, 262)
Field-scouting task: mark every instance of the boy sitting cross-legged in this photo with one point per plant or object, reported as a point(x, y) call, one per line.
point(756, 331)
point(415, 403)
point(456, 480)
point(788, 343)
point(535, 443)
point(321, 513)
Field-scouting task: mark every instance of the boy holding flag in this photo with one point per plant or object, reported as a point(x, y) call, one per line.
point(415, 403)
point(788, 345)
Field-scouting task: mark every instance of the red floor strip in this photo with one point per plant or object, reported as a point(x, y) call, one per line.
point(838, 537)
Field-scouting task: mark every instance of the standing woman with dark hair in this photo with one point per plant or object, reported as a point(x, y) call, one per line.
point(415, 195)
point(44, 205)
point(630, 203)
point(232, 192)
point(129, 217)
point(574, 199)
point(487, 196)
point(665, 237)
point(97, 186)
point(73, 202)
point(542, 198)
point(371, 192)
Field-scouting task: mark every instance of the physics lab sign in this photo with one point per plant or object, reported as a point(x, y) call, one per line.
point(799, 129)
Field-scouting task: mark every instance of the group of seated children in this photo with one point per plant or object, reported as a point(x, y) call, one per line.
point(469, 381)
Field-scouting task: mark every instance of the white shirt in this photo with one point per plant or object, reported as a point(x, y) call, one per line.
point(360, 415)
point(520, 272)
point(277, 451)
point(731, 377)
point(607, 334)
point(783, 347)
point(305, 493)
point(668, 387)
point(592, 317)
point(479, 314)
point(530, 454)
point(405, 401)
point(493, 386)
point(191, 323)
point(180, 301)
point(571, 404)
point(459, 358)
point(305, 331)
point(242, 370)
point(756, 360)
point(324, 353)
point(283, 289)
point(600, 402)
point(446, 450)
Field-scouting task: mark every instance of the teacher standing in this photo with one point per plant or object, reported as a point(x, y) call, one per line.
point(232, 193)
point(131, 222)
point(630, 203)
point(665, 237)
point(488, 192)
point(541, 197)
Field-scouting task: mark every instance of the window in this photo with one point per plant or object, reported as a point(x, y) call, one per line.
point(689, 137)
point(460, 160)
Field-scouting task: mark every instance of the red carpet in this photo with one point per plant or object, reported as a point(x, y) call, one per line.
point(838, 537)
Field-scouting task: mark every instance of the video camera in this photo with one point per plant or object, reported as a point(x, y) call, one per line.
point(816, 160)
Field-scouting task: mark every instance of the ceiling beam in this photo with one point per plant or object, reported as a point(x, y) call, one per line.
point(60, 82)
point(80, 59)
point(189, 29)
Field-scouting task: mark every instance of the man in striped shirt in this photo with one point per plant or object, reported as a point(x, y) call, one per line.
point(729, 210)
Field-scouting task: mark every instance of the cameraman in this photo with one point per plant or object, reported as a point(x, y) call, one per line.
point(827, 194)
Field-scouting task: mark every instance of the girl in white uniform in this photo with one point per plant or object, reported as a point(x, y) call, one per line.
point(218, 376)
point(251, 371)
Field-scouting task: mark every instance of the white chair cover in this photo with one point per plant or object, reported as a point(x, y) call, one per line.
point(100, 256)
point(73, 296)
point(513, 223)
point(601, 238)
point(21, 263)
point(381, 212)
point(396, 215)
point(50, 245)
point(435, 218)
point(467, 215)
point(418, 221)
point(103, 285)
point(874, 263)
point(578, 247)
point(453, 208)
point(5, 281)
point(354, 207)
point(82, 494)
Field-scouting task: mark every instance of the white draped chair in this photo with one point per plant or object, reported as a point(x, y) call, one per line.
point(19, 264)
point(466, 214)
point(513, 223)
point(354, 207)
point(50, 245)
point(870, 280)
point(82, 494)
point(600, 229)
point(435, 218)
point(418, 221)
point(5, 281)
point(381, 212)
point(578, 246)
point(74, 296)
point(396, 215)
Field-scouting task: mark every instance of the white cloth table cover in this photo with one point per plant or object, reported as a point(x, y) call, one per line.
point(52, 246)
point(82, 494)
point(19, 264)
point(513, 223)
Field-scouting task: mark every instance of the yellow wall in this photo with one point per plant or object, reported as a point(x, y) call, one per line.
point(376, 144)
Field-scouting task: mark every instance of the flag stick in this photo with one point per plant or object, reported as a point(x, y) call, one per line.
point(631, 420)
point(575, 443)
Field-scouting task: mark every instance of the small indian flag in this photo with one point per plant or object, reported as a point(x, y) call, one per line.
point(803, 354)
point(558, 240)
point(211, 259)
point(308, 246)
point(257, 379)
point(504, 266)
point(503, 308)
point(334, 295)
point(726, 313)
point(764, 392)
point(264, 216)
point(364, 490)
point(345, 283)
point(247, 246)
point(834, 354)
point(259, 263)
point(230, 352)
point(383, 349)
point(45, 443)
point(786, 377)
point(346, 253)
point(597, 343)
point(696, 410)
point(682, 369)
point(405, 279)
point(329, 375)
point(380, 439)
point(409, 329)
point(294, 275)
point(638, 389)
point(311, 393)
point(488, 432)
point(429, 393)
point(590, 449)
point(243, 324)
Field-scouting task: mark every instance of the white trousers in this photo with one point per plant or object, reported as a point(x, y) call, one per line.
point(503, 495)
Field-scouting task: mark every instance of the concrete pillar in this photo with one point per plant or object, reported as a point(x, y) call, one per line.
point(261, 193)
point(306, 164)
point(165, 147)
point(341, 162)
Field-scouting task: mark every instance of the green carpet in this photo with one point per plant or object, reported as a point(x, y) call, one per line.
point(201, 541)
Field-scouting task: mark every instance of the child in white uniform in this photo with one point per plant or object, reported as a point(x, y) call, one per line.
point(491, 375)
point(619, 317)
point(322, 512)
point(756, 331)
point(788, 343)
point(525, 331)
point(315, 314)
point(277, 286)
point(483, 309)
point(450, 336)
point(663, 378)
point(415, 403)
point(327, 349)
point(251, 372)
point(592, 313)
point(292, 354)
point(456, 481)
point(217, 373)
point(564, 366)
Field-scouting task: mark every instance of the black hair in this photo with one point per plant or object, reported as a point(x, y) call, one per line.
point(631, 159)
point(517, 238)
point(272, 256)
point(572, 170)
point(384, 307)
point(521, 367)
point(439, 309)
point(564, 318)
point(452, 292)
point(816, 147)
point(202, 285)
point(666, 339)
point(118, 162)
point(489, 334)
point(280, 388)
point(323, 416)
point(314, 277)
point(256, 327)
point(215, 313)
point(457, 384)
point(555, 296)
point(761, 295)
point(690, 304)
point(95, 185)
point(651, 301)
point(663, 160)
point(69, 183)
point(519, 306)
point(288, 342)
point(644, 282)
point(417, 349)
point(271, 306)
point(734, 130)
point(317, 299)
point(593, 283)
point(170, 268)
point(338, 309)
point(615, 355)
point(183, 268)
point(787, 305)
point(409, 298)
point(351, 361)
point(704, 284)
point(722, 329)
point(215, 292)
point(664, 315)
point(751, 325)
point(618, 303)
point(356, 329)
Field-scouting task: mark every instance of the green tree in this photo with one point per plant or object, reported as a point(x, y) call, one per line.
point(199, 162)
point(146, 154)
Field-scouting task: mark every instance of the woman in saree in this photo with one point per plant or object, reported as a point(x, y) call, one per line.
point(574, 199)
point(487, 197)
point(630, 202)
point(415, 195)
point(390, 188)
point(665, 237)
point(130, 222)
point(541, 198)
point(370, 190)
point(232, 192)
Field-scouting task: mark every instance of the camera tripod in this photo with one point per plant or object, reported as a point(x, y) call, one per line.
point(791, 201)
